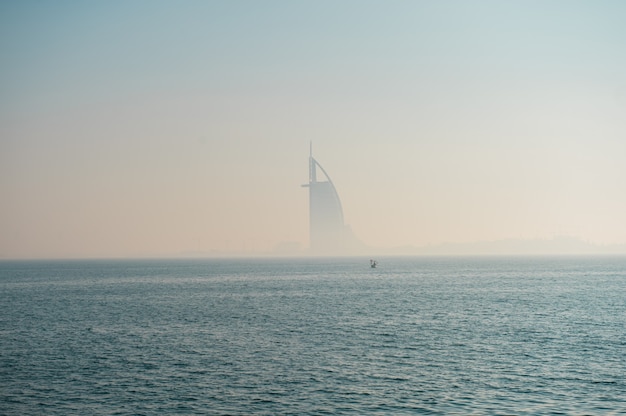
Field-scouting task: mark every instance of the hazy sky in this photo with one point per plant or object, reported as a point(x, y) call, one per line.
point(140, 128)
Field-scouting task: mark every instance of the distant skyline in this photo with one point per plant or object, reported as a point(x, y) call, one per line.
point(155, 128)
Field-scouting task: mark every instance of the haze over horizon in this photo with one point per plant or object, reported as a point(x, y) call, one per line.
point(132, 129)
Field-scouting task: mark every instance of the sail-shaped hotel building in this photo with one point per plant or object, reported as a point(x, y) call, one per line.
point(327, 232)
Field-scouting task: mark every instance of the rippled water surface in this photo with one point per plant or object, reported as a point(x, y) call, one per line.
point(314, 336)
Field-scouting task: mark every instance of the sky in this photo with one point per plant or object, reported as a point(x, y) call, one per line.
point(155, 128)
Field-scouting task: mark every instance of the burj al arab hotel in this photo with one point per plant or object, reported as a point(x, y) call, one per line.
point(327, 232)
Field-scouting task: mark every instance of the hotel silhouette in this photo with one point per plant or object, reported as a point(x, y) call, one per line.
point(327, 232)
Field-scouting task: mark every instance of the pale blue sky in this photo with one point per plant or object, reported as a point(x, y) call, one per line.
point(135, 128)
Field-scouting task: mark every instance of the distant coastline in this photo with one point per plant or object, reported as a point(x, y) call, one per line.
point(561, 245)
point(557, 246)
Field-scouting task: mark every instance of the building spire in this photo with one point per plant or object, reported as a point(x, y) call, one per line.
point(312, 172)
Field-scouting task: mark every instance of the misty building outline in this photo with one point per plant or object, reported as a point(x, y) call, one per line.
point(327, 231)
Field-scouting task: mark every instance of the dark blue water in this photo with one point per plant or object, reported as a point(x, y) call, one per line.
point(314, 336)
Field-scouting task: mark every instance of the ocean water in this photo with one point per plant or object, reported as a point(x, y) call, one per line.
point(314, 336)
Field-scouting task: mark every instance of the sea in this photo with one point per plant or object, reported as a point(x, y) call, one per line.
point(314, 336)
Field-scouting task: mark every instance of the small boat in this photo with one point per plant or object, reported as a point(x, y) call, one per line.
point(373, 263)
